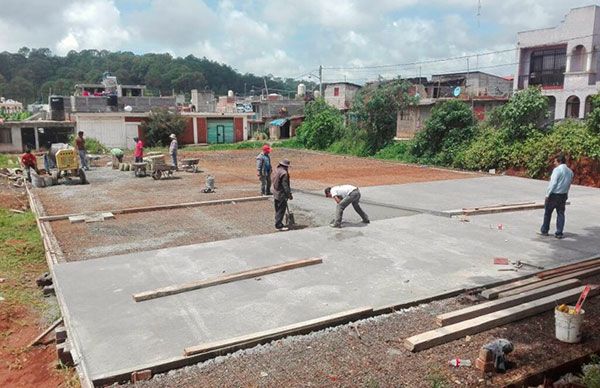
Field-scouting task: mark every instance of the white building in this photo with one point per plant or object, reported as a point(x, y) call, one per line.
point(341, 94)
point(563, 61)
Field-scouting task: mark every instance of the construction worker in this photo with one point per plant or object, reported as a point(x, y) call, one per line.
point(173, 149)
point(556, 196)
point(263, 170)
point(29, 161)
point(281, 193)
point(80, 147)
point(138, 153)
point(345, 195)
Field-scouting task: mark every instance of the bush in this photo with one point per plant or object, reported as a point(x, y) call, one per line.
point(525, 112)
point(593, 119)
point(160, 125)
point(447, 132)
point(323, 124)
point(354, 142)
point(400, 150)
point(490, 149)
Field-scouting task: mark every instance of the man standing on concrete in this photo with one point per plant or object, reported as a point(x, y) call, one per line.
point(263, 170)
point(281, 193)
point(80, 147)
point(138, 153)
point(345, 195)
point(556, 196)
point(173, 149)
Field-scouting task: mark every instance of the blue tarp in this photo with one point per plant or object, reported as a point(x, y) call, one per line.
point(278, 122)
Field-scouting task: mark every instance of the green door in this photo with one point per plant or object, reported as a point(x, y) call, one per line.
point(220, 132)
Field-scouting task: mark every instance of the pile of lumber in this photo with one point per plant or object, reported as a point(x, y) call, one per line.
point(511, 302)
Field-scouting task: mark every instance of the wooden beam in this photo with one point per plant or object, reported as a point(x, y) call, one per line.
point(476, 325)
point(156, 207)
point(492, 293)
point(232, 344)
point(45, 332)
point(179, 288)
point(495, 305)
point(579, 274)
point(594, 261)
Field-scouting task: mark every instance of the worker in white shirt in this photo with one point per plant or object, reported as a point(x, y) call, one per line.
point(345, 195)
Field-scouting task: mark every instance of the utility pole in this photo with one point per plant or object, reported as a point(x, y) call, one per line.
point(321, 80)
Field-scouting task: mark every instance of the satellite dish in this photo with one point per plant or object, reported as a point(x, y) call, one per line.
point(457, 91)
point(128, 108)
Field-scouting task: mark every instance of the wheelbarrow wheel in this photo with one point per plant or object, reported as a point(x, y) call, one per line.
point(156, 175)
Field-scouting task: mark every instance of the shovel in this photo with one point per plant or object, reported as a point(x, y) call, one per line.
point(289, 217)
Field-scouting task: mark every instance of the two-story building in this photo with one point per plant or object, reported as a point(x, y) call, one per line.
point(563, 61)
point(341, 94)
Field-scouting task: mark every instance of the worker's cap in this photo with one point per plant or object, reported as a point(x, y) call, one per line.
point(172, 136)
point(266, 148)
point(285, 163)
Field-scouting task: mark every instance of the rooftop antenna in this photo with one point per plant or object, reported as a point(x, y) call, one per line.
point(478, 12)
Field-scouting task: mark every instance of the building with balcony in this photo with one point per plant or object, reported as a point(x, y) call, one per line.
point(563, 61)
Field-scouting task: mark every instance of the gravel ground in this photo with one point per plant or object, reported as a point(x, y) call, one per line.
point(339, 357)
point(235, 176)
point(167, 228)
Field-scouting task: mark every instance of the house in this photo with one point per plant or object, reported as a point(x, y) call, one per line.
point(15, 136)
point(482, 91)
point(340, 94)
point(563, 61)
point(10, 106)
point(117, 129)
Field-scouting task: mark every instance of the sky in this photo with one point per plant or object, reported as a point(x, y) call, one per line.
point(369, 39)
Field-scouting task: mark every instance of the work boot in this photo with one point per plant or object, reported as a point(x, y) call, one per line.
point(334, 225)
point(366, 221)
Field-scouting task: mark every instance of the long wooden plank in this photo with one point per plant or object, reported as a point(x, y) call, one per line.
point(156, 207)
point(476, 325)
point(502, 209)
point(45, 332)
point(492, 293)
point(579, 274)
point(179, 288)
point(499, 304)
point(231, 344)
point(592, 262)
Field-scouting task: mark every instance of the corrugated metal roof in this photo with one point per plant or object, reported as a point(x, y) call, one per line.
point(278, 122)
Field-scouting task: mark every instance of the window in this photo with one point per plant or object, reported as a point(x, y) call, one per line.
point(547, 67)
point(336, 92)
point(5, 136)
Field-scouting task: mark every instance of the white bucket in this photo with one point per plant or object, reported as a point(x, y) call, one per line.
point(568, 326)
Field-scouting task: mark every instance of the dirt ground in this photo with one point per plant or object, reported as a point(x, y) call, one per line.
point(21, 322)
point(370, 353)
point(235, 176)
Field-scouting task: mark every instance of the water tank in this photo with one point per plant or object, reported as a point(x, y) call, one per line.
point(57, 108)
point(317, 94)
point(230, 93)
point(301, 90)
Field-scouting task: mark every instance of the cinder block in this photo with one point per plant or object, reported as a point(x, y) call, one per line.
point(61, 334)
point(63, 351)
point(484, 366)
point(141, 375)
point(48, 290)
point(486, 355)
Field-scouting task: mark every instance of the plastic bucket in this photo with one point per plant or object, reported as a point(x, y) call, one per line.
point(568, 326)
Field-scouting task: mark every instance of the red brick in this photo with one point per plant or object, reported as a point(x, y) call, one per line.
point(141, 375)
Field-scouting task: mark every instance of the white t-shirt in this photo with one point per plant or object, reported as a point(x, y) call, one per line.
point(342, 191)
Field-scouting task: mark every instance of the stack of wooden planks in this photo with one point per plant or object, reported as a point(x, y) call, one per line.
point(511, 302)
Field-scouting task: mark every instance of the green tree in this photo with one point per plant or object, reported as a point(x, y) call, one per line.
point(323, 124)
point(525, 112)
point(593, 119)
point(160, 125)
point(450, 127)
point(376, 109)
point(20, 89)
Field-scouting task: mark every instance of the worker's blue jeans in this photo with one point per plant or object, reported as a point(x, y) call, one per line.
point(558, 202)
point(83, 159)
point(174, 159)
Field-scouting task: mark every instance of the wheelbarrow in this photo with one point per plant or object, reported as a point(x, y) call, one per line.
point(139, 169)
point(161, 170)
point(190, 165)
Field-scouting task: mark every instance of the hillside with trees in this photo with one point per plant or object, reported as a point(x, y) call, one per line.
point(30, 75)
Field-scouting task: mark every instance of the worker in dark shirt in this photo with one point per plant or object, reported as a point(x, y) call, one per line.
point(281, 193)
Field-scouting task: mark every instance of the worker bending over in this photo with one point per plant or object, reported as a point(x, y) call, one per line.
point(345, 195)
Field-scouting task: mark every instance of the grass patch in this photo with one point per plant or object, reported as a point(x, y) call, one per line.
point(288, 143)
point(21, 259)
point(9, 161)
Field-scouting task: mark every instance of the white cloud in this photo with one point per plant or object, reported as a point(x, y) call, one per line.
point(94, 24)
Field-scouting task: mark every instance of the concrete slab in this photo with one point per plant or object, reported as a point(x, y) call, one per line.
point(389, 262)
point(440, 196)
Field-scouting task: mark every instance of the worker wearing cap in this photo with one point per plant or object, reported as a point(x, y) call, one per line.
point(173, 149)
point(263, 170)
point(345, 195)
point(281, 193)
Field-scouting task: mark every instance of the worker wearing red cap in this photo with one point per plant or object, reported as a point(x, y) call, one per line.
point(264, 169)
